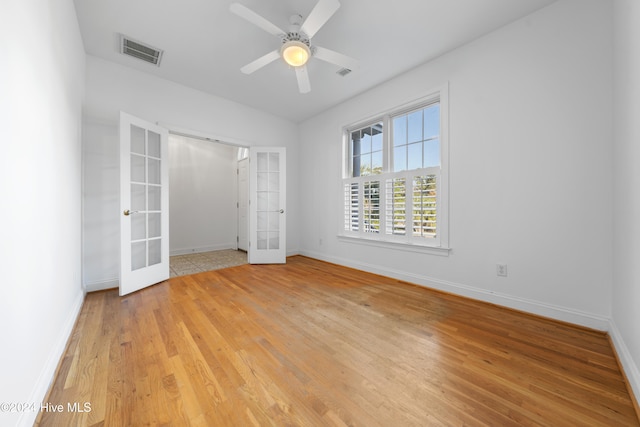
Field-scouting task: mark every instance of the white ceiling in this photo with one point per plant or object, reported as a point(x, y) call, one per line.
point(205, 44)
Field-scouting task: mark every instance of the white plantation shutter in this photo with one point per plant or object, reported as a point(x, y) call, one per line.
point(396, 217)
point(424, 206)
point(409, 200)
point(351, 206)
point(411, 206)
point(371, 206)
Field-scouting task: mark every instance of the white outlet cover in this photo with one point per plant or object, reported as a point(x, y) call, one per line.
point(501, 270)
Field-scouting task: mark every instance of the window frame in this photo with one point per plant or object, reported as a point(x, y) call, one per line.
point(438, 245)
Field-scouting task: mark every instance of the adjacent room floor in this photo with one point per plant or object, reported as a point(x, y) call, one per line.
point(182, 265)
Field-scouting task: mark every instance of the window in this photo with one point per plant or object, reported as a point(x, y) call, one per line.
point(366, 152)
point(395, 179)
point(416, 139)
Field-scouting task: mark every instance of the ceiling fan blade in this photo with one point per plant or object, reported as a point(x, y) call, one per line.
point(304, 85)
point(322, 11)
point(260, 62)
point(335, 58)
point(248, 14)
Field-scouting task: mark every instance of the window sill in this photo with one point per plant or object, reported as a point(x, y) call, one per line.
point(407, 247)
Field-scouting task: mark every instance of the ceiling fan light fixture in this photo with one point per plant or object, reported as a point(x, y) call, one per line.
point(295, 53)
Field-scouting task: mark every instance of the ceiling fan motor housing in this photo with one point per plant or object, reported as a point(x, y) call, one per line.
point(294, 33)
point(297, 37)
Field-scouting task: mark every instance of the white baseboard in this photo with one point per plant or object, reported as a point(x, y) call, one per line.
point(552, 311)
point(47, 375)
point(101, 285)
point(629, 365)
point(209, 248)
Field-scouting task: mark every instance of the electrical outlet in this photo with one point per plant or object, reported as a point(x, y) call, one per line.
point(501, 270)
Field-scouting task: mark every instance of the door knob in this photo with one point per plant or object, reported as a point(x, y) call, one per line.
point(128, 212)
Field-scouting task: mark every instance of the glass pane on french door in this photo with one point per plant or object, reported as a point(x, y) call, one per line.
point(146, 206)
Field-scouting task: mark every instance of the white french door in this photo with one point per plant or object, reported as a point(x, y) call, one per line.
point(144, 204)
point(267, 215)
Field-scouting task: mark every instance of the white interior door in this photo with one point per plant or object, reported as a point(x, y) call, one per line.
point(144, 204)
point(243, 204)
point(267, 215)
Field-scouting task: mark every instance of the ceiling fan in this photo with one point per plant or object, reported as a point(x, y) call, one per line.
point(296, 48)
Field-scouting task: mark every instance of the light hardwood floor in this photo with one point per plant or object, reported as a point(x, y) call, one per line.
point(313, 344)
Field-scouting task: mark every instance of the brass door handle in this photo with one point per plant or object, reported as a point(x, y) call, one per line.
point(128, 212)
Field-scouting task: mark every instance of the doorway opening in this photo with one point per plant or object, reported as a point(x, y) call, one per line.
point(208, 204)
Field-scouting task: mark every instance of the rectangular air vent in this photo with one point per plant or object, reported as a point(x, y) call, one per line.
point(343, 72)
point(140, 50)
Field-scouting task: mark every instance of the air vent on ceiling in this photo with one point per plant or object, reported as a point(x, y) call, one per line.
point(343, 72)
point(140, 50)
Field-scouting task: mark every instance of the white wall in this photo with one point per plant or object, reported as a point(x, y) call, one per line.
point(110, 88)
point(41, 87)
point(203, 189)
point(626, 284)
point(530, 167)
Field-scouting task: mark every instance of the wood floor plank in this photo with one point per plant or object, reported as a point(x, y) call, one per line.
point(312, 344)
